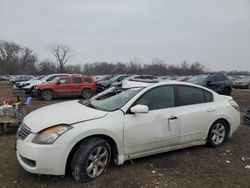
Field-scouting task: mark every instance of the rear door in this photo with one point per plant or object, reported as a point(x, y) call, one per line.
point(88, 83)
point(76, 86)
point(195, 108)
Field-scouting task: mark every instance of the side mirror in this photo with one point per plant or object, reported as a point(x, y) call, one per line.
point(139, 109)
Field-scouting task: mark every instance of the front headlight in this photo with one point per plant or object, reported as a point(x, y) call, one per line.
point(49, 135)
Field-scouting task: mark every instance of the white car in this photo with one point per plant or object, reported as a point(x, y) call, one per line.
point(139, 119)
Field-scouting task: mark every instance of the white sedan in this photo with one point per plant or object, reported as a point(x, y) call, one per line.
point(120, 124)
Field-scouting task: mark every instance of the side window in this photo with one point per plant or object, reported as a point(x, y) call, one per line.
point(121, 78)
point(221, 78)
point(190, 95)
point(87, 79)
point(65, 81)
point(77, 80)
point(158, 98)
point(211, 79)
point(51, 78)
point(208, 96)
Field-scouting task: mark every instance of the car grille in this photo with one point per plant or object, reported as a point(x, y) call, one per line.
point(22, 132)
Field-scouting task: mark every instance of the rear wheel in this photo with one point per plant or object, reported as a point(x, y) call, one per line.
point(47, 95)
point(91, 159)
point(87, 93)
point(217, 134)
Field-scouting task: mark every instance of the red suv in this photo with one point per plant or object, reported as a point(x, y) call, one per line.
point(67, 86)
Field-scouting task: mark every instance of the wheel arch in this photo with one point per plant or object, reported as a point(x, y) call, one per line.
point(227, 123)
point(109, 139)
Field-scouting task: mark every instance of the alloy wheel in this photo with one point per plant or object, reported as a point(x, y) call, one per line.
point(218, 133)
point(97, 161)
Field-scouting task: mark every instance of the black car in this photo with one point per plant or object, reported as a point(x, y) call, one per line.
point(215, 81)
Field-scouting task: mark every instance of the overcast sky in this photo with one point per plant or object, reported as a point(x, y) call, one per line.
point(215, 33)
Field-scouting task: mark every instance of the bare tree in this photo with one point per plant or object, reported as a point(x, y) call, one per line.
point(46, 66)
point(15, 59)
point(62, 55)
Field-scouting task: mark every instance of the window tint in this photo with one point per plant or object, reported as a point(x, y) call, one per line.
point(51, 78)
point(190, 95)
point(208, 96)
point(65, 81)
point(158, 98)
point(220, 78)
point(211, 79)
point(121, 78)
point(88, 80)
point(77, 80)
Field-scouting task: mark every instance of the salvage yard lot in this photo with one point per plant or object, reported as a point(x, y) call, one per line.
point(192, 167)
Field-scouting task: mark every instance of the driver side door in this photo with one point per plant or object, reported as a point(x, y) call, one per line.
point(63, 89)
point(159, 128)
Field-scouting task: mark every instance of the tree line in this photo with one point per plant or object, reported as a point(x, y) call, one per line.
point(15, 59)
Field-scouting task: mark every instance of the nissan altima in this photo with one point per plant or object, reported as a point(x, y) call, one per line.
point(119, 124)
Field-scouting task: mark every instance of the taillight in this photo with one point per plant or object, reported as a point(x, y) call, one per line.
point(234, 104)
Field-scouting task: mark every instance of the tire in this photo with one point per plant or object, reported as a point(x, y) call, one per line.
point(93, 154)
point(218, 134)
point(47, 95)
point(87, 93)
point(227, 91)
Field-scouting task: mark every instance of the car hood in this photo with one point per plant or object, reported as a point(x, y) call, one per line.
point(60, 113)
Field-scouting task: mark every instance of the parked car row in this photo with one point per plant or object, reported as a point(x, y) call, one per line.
point(51, 86)
point(215, 81)
point(57, 85)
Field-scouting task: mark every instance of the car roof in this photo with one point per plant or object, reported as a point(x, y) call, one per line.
point(152, 83)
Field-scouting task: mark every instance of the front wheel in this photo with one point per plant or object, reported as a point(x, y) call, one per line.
point(90, 160)
point(217, 134)
point(47, 95)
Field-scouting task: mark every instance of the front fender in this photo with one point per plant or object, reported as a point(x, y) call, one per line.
point(111, 126)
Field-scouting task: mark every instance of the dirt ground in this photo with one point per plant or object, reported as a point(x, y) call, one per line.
point(192, 167)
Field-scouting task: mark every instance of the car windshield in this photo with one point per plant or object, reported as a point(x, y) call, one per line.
point(111, 99)
point(199, 78)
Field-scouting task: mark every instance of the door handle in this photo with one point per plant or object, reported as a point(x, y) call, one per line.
point(172, 118)
point(210, 110)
